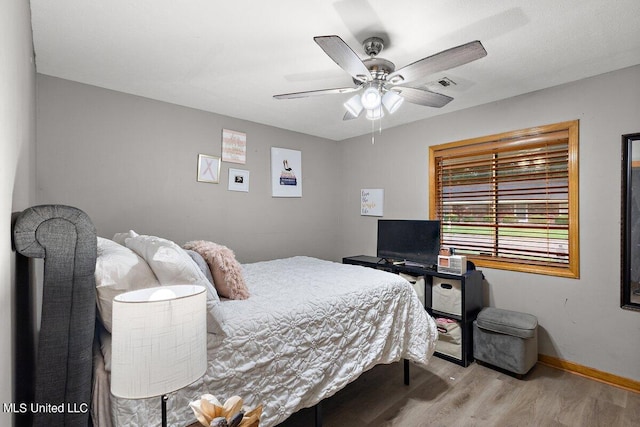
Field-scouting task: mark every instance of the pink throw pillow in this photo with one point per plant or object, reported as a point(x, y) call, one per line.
point(225, 269)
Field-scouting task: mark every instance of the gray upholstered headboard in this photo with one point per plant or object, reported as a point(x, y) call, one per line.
point(66, 238)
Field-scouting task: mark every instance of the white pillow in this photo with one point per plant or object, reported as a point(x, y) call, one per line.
point(118, 270)
point(121, 237)
point(173, 266)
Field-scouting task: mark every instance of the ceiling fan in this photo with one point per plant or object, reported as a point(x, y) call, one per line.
point(381, 84)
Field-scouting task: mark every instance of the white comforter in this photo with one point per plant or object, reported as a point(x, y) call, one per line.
point(309, 328)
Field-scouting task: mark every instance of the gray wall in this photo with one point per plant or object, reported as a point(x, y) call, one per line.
point(17, 165)
point(130, 163)
point(581, 319)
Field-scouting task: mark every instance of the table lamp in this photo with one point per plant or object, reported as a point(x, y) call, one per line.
point(159, 341)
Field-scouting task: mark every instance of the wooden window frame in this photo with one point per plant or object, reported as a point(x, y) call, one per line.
point(510, 140)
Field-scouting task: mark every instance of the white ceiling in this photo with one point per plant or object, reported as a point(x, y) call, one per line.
point(230, 57)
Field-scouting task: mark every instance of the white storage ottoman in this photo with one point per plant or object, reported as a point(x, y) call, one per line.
point(506, 339)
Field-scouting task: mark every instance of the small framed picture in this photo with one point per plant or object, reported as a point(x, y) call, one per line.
point(286, 172)
point(234, 146)
point(208, 169)
point(238, 180)
point(371, 201)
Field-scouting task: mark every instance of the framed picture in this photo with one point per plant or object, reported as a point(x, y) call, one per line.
point(371, 201)
point(208, 169)
point(234, 146)
point(286, 172)
point(238, 180)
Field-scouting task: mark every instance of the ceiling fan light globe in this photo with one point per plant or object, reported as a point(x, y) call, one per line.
point(375, 113)
point(392, 101)
point(371, 98)
point(353, 105)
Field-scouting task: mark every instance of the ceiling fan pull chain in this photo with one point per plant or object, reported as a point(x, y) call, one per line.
point(373, 138)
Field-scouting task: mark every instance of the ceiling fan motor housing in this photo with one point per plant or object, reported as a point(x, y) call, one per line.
point(379, 67)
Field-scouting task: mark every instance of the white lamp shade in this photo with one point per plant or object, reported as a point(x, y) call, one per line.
point(370, 98)
point(375, 113)
point(354, 106)
point(159, 340)
point(392, 101)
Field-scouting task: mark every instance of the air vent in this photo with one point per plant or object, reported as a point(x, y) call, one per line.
point(442, 83)
point(446, 82)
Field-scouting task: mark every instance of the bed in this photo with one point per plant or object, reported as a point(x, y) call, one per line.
point(309, 328)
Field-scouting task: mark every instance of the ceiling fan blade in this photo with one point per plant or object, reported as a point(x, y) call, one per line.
point(423, 97)
point(342, 54)
point(441, 61)
point(317, 92)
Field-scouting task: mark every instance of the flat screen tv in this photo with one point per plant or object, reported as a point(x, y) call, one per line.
point(416, 241)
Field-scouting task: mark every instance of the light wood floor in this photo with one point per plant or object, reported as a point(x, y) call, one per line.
point(444, 394)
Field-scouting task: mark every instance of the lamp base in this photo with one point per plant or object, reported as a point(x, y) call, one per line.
point(164, 399)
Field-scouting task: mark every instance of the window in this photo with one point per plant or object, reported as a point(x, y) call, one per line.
point(510, 201)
